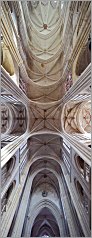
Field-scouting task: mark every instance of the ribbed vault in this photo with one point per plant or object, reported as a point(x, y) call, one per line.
point(45, 225)
point(50, 122)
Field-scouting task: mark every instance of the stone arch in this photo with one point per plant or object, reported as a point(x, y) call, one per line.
point(26, 231)
point(45, 225)
point(7, 170)
point(8, 62)
point(83, 60)
point(82, 194)
point(6, 196)
point(37, 209)
point(47, 177)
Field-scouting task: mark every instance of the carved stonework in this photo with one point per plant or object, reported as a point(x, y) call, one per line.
point(77, 117)
point(4, 119)
point(45, 26)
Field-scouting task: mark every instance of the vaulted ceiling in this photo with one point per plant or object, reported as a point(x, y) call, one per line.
point(41, 34)
point(42, 48)
point(41, 37)
point(45, 50)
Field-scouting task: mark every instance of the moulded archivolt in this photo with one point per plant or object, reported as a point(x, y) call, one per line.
point(81, 166)
point(84, 198)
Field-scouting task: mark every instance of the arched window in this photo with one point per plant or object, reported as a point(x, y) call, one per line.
point(82, 195)
point(7, 170)
point(80, 164)
point(5, 199)
point(83, 167)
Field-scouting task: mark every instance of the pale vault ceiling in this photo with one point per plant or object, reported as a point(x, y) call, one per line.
point(40, 28)
point(41, 39)
point(43, 52)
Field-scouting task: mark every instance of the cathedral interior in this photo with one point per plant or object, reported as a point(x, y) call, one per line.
point(46, 118)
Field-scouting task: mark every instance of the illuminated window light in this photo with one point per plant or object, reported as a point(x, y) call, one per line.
point(62, 5)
